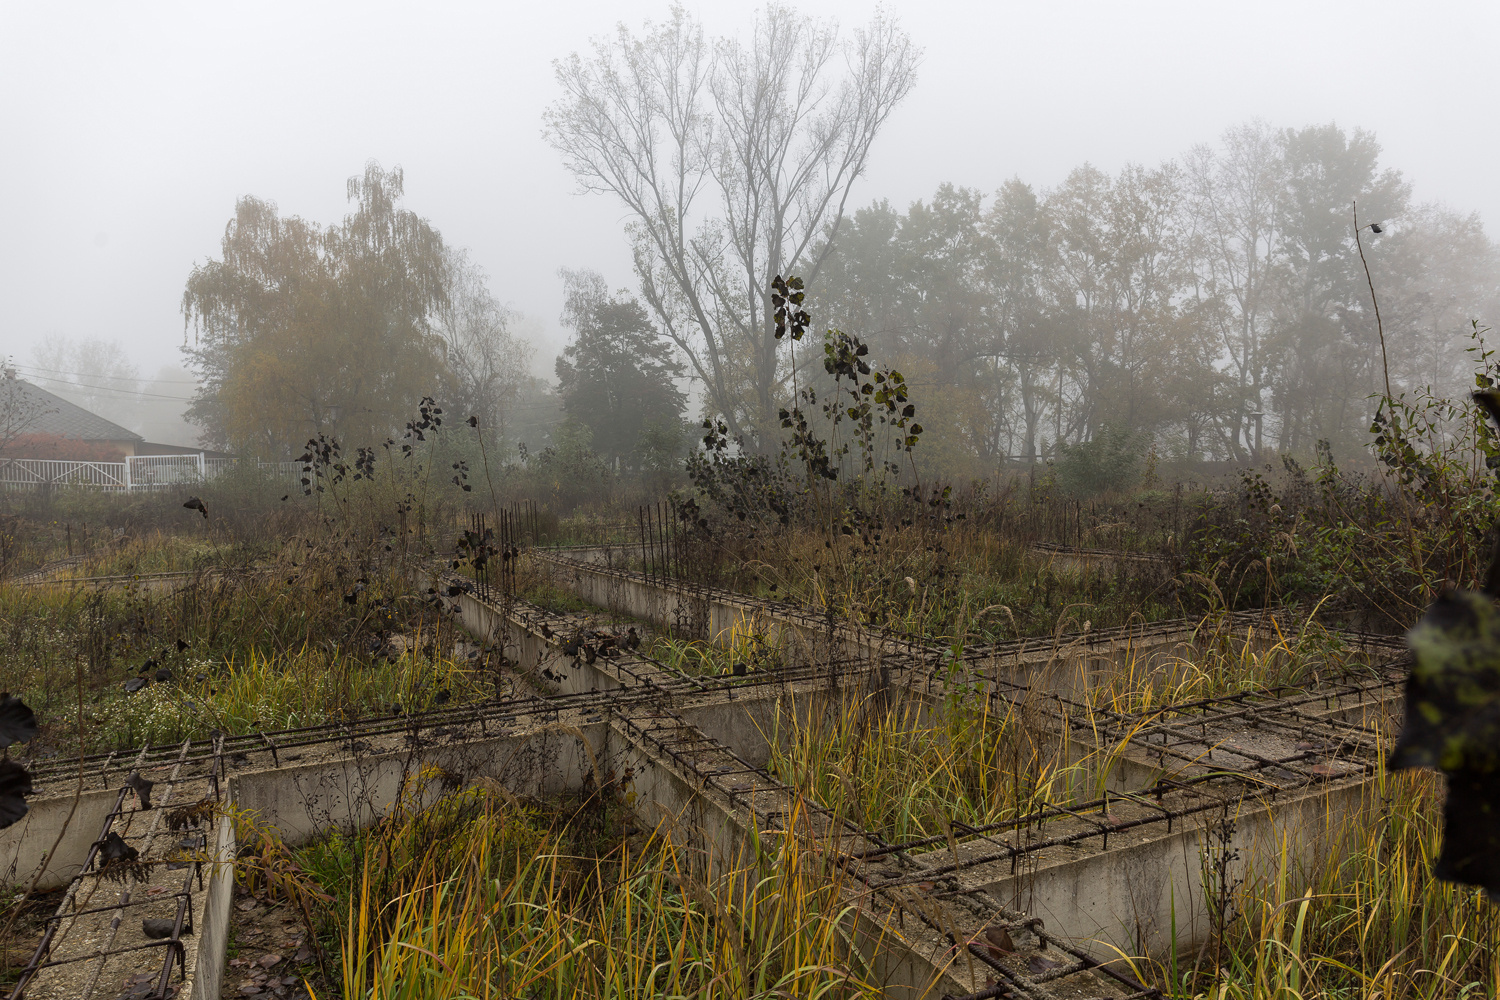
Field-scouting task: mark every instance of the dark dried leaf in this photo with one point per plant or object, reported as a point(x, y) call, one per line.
point(114, 850)
point(17, 721)
point(141, 787)
point(15, 785)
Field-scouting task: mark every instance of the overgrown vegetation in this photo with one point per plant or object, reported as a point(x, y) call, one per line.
point(1020, 421)
point(298, 641)
point(309, 604)
point(483, 896)
point(909, 769)
point(1375, 923)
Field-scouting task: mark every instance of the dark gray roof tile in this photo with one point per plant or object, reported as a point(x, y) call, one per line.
point(70, 420)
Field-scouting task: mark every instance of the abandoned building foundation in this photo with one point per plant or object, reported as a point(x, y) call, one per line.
point(1179, 793)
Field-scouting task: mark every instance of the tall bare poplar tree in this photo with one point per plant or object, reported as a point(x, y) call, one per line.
point(1235, 206)
point(733, 162)
point(489, 364)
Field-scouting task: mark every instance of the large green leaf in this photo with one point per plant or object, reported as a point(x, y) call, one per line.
point(1453, 695)
point(1453, 724)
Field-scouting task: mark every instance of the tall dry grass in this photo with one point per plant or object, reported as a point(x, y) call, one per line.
point(1373, 923)
point(317, 635)
point(477, 898)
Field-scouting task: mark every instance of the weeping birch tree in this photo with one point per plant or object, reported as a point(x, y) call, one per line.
point(303, 330)
point(734, 162)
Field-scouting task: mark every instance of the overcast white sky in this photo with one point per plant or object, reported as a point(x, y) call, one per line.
point(128, 130)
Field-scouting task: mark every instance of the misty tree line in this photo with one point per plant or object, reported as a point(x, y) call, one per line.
point(301, 330)
point(1173, 302)
point(1214, 306)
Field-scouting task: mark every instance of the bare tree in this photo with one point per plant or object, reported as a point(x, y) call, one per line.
point(96, 374)
point(1438, 273)
point(1235, 209)
point(490, 365)
point(733, 162)
point(20, 407)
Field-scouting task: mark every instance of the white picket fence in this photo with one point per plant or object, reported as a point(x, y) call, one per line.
point(138, 472)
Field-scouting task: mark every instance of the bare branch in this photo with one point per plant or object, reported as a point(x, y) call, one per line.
point(774, 130)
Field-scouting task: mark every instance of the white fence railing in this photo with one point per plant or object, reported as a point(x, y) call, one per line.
point(146, 472)
point(137, 472)
point(31, 472)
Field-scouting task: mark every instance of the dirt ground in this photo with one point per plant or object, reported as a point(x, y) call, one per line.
point(269, 953)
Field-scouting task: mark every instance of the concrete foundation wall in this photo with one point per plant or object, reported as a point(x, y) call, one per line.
point(1068, 665)
point(712, 615)
point(303, 800)
point(720, 837)
point(207, 978)
point(1070, 561)
point(1142, 895)
point(1146, 894)
point(24, 846)
point(530, 653)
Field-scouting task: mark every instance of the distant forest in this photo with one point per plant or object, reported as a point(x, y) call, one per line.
point(1208, 305)
point(1212, 308)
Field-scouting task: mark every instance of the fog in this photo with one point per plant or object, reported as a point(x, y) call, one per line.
point(131, 132)
point(952, 402)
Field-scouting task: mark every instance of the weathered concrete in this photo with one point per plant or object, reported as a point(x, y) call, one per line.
point(708, 613)
point(722, 840)
point(1124, 897)
point(99, 939)
point(349, 792)
point(1147, 890)
point(695, 750)
point(1072, 665)
point(1070, 560)
point(148, 583)
point(27, 846)
point(744, 719)
point(207, 979)
point(737, 841)
point(729, 834)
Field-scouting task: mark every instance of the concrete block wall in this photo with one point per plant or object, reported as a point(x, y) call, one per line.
point(207, 978)
point(1127, 896)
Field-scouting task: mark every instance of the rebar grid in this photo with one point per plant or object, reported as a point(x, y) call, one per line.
point(482, 714)
point(704, 758)
point(641, 708)
point(53, 937)
point(1204, 786)
point(1349, 744)
point(695, 753)
point(896, 641)
point(1219, 786)
point(686, 752)
point(167, 576)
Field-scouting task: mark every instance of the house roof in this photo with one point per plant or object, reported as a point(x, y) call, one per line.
point(70, 420)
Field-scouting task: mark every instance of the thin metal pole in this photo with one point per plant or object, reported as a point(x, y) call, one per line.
point(512, 548)
point(640, 518)
point(655, 542)
point(666, 544)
